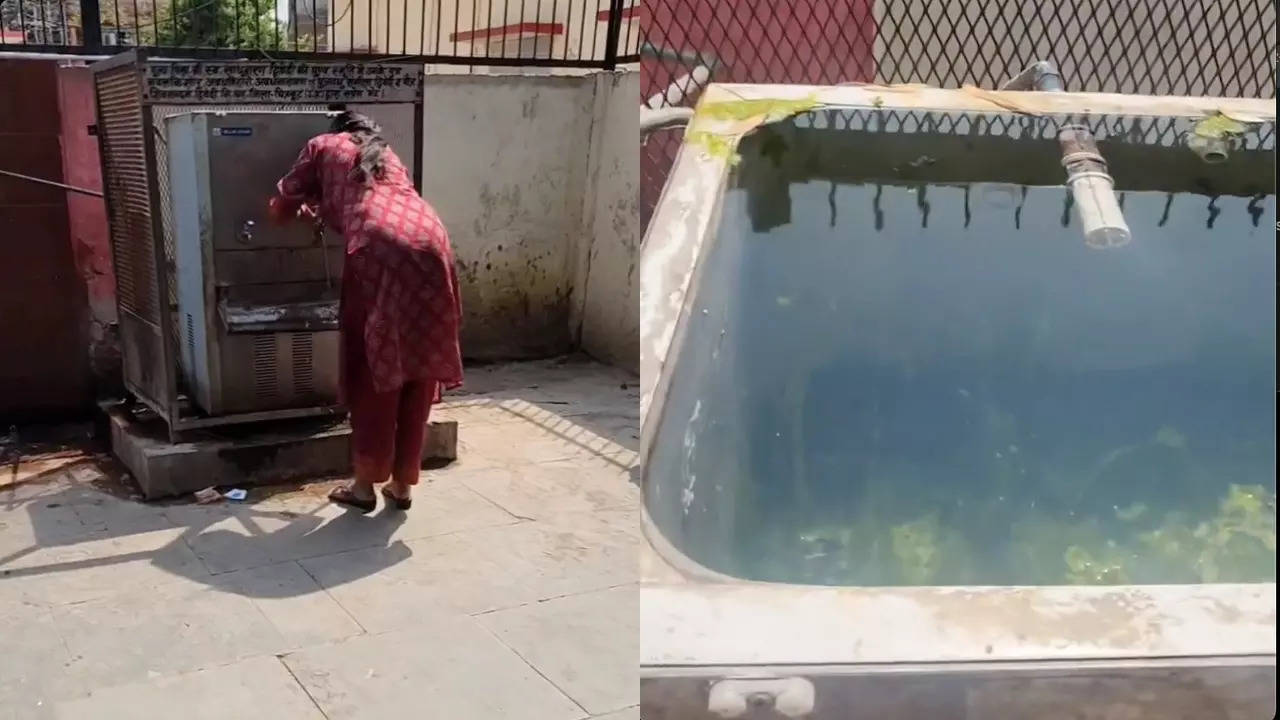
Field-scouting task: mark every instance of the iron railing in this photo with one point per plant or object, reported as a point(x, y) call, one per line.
point(526, 33)
point(1155, 47)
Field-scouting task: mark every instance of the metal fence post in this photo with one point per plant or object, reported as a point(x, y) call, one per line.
point(91, 24)
point(613, 32)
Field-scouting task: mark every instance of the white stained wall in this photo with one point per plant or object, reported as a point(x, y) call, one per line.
point(536, 179)
point(608, 312)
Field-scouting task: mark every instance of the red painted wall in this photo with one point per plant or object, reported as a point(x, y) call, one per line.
point(819, 42)
point(87, 221)
point(815, 42)
point(44, 312)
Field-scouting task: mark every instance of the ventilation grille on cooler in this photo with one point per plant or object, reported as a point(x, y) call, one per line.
point(127, 193)
point(266, 373)
point(304, 382)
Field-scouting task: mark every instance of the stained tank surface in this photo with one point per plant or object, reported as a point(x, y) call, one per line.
point(903, 366)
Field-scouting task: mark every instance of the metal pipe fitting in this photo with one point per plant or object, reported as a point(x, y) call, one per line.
point(1212, 150)
point(1041, 76)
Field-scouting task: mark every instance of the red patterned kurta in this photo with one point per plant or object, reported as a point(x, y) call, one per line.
point(400, 304)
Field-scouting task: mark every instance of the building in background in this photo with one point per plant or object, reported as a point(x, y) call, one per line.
point(572, 30)
point(310, 19)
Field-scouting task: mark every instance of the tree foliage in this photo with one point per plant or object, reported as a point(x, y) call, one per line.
point(241, 24)
point(42, 21)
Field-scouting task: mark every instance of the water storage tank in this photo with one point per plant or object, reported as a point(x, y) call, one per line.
point(914, 447)
point(257, 302)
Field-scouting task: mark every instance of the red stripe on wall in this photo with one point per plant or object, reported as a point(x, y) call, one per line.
point(505, 30)
point(633, 11)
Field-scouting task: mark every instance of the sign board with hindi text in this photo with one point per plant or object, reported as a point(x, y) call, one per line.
point(238, 82)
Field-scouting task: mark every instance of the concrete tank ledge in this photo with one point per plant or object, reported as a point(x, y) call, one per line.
point(280, 452)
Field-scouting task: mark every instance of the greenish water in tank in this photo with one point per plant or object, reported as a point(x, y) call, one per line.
point(888, 382)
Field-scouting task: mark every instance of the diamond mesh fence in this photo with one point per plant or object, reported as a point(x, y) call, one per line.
point(1156, 47)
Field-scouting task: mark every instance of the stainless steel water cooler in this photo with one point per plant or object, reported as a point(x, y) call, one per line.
point(257, 303)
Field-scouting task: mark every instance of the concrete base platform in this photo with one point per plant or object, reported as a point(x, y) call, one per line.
point(242, 457)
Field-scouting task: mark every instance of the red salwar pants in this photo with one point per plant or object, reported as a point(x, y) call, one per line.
point(388, 429)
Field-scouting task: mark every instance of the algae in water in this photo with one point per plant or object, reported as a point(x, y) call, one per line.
point(1235, 544)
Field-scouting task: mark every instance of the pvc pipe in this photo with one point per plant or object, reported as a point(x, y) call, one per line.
point(680, 88)
point(42, 181)
point(1091, 185)
point(651, 120)
point(1093, 189)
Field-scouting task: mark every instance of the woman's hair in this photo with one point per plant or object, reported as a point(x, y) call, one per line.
point(367, 135)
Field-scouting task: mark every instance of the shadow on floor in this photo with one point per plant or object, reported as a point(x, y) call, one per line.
point(72, 522)
point(573, 398)
point(89, 524)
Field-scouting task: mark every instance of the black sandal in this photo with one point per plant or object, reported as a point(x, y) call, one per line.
point(399, 502)
point(344, 496)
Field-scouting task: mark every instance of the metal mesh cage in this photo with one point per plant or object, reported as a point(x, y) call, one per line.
point(1161, 131)
point(1147, 47)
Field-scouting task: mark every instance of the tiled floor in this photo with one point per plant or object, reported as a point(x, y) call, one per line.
point(507, 592)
